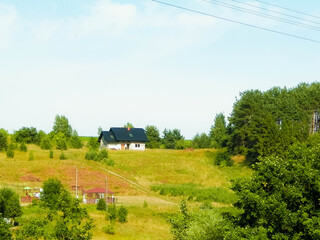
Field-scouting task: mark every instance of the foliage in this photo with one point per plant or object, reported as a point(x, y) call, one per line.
point(10, 151)
point(3, 140)
point(102, 205)
point(62, 156)
point(223, 158)
point(93, 143)
point(145, 204)
point(99, 130)
point(122, 214)
point(153, 136)
point(171, 137)
point(128, 125)
point(99, 156)
point(23, 147)
point(181, 222)
point(25, 134)
point(218, 133)
point(9, 203)
point(110, 229)
point(32, 230)
point(75, 141)
point(111, 212)
point(51, 192)
point(61, 125)
point(5, 233)
point(61, 141)
point(268, 123)
point(50, 154)
point(31, 156)
point(193, 191)
point(281, 200)
point(201, 141)
point(45, 143)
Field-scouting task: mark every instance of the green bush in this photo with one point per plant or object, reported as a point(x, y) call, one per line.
point(111, 212)
point(31, 156)
point(104, 154)
point(23, 147)
point(62, 156)
point(3, 140)
point(45, 143)
point(145, 204)
point(110, 229)
point(51, 154)
point(102, 205)
point(110, 162)
point(91, 155)
point(10, 152)
point(122, 214)
point(223, 158)
point(5, 232)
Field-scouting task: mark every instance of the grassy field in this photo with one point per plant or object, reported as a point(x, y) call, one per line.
point(131, 178)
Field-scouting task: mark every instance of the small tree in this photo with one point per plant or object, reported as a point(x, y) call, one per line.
point(51, 154)
point(122, 214)
point(93, 143)
point(51, 192)
point(5, 233)
point(153, 136)
point(112, 212)
point(218, 134)
point(3, 140)
point(102, 205)
point(61, 125)
point(181, 222)
point(23, 147)
point(9, 203)
point(10, 152)
point(31, 156)
point(62, 156)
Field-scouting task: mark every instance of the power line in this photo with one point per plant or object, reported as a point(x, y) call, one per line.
point(278, 12)
point(238, 22)
point(292, 10)
point(246, 10)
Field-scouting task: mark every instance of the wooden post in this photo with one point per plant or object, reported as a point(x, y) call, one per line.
point(106, 198)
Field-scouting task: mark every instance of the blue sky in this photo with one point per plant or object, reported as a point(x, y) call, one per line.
point(105, 63)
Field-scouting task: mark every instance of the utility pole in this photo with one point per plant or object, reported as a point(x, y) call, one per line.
point(106, 198)
point(76, 181)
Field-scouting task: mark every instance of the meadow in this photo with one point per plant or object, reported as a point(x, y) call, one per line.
point(150, 184)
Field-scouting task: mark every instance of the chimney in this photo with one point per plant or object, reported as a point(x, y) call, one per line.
point(128, 128)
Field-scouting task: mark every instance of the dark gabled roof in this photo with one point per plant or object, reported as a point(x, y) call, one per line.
point(107, 136)
point(124, 135)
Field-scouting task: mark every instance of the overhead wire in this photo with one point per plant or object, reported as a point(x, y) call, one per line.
point(288, 9)
point(246, 10)
point(273, 11)
point(237, 22)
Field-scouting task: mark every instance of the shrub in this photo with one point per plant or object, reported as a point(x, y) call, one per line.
point(145, 204)
point(91, 155)
point(101, 205)
point(51, 154)
point(93, 143)
point(110, 229)
point(5, 232)
point(122, 214)
point(3, 140)
point(104, 154)
point(31, 156)
point(110, 162)
point(223, 159)
point(112, 212)
point(10, 152)
point(62, 156)
point(45, 143)
point(23, 147)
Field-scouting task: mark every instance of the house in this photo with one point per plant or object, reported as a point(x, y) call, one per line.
point(123, 139)
point(93, 195)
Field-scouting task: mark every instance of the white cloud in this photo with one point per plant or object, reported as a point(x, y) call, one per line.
point(8, 16)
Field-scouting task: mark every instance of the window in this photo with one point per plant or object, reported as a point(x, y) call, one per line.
point(130, 135)
point(137, 145)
